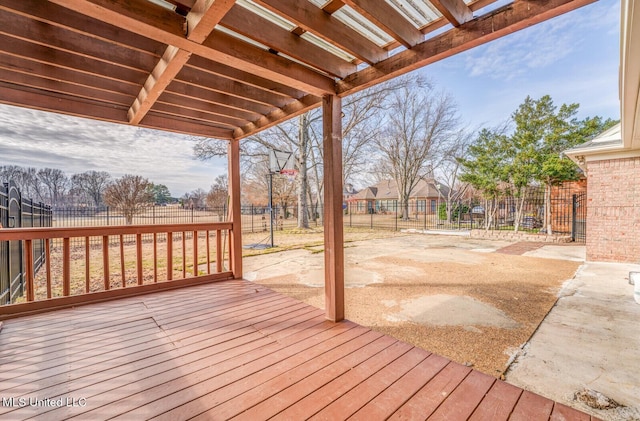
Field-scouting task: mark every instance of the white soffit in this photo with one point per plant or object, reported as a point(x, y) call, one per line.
point(630, 73)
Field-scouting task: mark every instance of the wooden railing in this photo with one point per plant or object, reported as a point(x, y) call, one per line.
point(91, 264)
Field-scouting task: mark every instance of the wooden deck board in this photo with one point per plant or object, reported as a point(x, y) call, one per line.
point(498, 403)
point(237, 350)
point(392, 398)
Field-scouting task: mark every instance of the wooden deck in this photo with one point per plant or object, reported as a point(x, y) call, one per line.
point(236, 350)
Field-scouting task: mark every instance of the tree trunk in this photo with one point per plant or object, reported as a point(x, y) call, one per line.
point(303, 180)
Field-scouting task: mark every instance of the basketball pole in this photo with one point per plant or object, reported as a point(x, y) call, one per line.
point(271, 206)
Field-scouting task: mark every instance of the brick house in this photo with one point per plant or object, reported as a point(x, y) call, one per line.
point(383, 198)
point(611, 161)
point(613, 197)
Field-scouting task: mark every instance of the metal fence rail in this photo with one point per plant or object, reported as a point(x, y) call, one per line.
point(496, 214)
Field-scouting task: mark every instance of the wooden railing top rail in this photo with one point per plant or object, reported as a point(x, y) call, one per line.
point(51, 233)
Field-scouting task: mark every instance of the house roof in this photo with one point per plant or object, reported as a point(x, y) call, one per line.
point(606, 139)
point(228, 69)
point(388, 190)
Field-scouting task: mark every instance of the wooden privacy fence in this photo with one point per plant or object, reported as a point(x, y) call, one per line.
point(16, 212)
point(117, 261)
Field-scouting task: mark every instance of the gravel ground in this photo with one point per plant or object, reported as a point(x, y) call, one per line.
point(454, 296)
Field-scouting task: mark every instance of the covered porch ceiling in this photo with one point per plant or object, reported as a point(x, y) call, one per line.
point(228, 69)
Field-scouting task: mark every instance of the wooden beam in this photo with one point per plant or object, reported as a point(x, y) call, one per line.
point(35, 52)
point(205, 96)
point(161, 108)
point(46, 101)
point(185, 125)
point(162, 75)
point(83, 80)
point(455, 11)
point(333, 6)
point(275, 37)
point(52, 84)
point(315, 20)
point(201, 20)
point(277, 116)
point(389, 20)
point(514, 17)
point(235, 240)
point(333, 229)
point(45, 11)
point(219, 69)
point(207, 107)
point(144, 18)
point(233, 52)
point(83, 45)
point(252, 97)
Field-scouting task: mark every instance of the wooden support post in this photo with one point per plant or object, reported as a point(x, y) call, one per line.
point(235, 249)
point(30, 275)
point(66, 266)
point(333, 230)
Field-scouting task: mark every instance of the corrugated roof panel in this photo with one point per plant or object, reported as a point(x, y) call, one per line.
point(241, 37)
point(418, 12)
point(164, 4)
point(319, 3)
point(362, 25)
point(308, 36)
point(267, 14)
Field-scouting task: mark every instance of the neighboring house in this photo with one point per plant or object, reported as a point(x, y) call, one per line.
point(383, 198)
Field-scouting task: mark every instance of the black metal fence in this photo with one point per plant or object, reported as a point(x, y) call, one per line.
point(16, 212)
point(432, 214)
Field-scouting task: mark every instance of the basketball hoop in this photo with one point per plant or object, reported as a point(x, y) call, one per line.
point(289, 173)
point(280, 161)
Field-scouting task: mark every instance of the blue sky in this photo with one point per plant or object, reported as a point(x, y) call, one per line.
point(573, 58)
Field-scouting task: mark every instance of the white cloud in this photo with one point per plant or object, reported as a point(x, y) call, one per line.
point(541, 46)
point(39, 139)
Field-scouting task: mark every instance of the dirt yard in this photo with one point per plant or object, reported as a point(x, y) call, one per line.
point(455, 296)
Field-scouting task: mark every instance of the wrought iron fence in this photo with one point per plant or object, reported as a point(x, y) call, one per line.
point(503, 213)
point(18, 212)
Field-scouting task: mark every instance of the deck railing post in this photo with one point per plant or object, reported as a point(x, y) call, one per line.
point(333, 215)
point(235, 240)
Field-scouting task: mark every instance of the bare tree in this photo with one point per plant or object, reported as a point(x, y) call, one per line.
point(419, 121)
point(131, 194)
point(362, 113)
point(56, 182)
point(217, 196)
point(26, 179)
point(91, 185)
point(195, 199)
point(450, 168)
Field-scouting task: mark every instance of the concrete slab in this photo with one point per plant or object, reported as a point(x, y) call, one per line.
point(590, 339)
point(564, 252)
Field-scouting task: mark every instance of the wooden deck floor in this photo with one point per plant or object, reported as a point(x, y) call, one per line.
point(236, 350)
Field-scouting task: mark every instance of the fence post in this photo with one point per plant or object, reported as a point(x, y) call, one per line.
point(574, 211)
point(425, 215)
point(107, 215)
point(192, 214)
point(396, 217)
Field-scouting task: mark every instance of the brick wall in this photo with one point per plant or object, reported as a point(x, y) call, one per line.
point(613, 210)
point(562, 204)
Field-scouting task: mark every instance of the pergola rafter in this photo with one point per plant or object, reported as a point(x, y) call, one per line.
point(228, 69)
point(225, 68)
